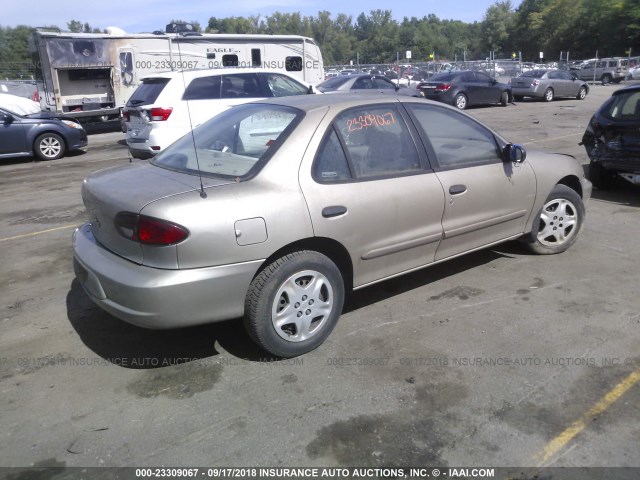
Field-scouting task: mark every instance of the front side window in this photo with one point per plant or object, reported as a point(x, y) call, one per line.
point(384, 84)
point(234, 144)
point(283, 86)
point(363, 83)
point(377, 141)
point(457, 141)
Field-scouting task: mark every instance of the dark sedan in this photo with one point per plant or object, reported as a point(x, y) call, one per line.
point(39, 134)
point(548, 84)
point(362, 83)
point(612, 139)
point(464, 88)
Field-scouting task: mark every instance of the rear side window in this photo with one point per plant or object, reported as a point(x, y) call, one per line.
point(534, 73)
point(147, 92)
point(378, 143)
point(204, 88)
point(241, 85)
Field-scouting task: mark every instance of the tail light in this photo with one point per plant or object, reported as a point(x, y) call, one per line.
point(443, 88)
point(535, 83)
point(160, 114)
point(125, 115)
point(149, 230)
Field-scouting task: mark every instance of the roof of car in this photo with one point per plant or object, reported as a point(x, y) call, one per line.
point(628, 88)
point(312, 102)
point(203, 72)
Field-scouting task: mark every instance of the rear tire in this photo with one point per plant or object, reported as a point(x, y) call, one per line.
point(548, 95)
point(504, 99)
point(49, 146)
point(460, 102)
point(558, 223)
point(294, 303)
point(606, 79)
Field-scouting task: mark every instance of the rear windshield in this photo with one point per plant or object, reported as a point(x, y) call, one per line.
point(147, 92)
point(534, 73)
point(333, 83)
point(234, 144)
point(624, 106)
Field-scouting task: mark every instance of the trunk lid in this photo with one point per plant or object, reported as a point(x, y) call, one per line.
point(129, 189)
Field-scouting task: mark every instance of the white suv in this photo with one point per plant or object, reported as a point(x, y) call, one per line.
point(168, 105)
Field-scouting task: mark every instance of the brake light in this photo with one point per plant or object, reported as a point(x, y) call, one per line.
point(535, 83)
point(149, 230)
point(160, 114)
point(125, 115)
point(443, 88)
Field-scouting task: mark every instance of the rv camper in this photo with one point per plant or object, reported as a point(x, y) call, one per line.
point(91, 76)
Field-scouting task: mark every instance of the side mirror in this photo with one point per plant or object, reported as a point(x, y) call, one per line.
point(6, 119)
point(515, 153)
point(311, 90)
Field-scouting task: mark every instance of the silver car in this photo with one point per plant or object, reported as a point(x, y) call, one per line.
point(273, 210)
point(547, 85)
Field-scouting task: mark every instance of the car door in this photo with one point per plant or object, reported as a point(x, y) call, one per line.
point(558, 83)
point(487, 89)
point(571, 85)
point(12, 134)
point(368, 188)
point(487, 200)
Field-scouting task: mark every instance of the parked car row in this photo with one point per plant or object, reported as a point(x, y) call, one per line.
point(168, 105)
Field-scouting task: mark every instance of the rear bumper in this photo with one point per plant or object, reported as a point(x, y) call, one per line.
point(156, 298)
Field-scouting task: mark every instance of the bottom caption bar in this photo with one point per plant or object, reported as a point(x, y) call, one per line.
point(286, 473)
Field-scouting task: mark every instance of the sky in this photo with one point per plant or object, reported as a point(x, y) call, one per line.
point(137, 16)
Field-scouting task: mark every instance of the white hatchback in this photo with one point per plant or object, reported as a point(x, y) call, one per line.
point(166, 106)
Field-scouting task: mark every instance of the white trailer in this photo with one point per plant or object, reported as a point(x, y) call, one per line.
point(90, 75)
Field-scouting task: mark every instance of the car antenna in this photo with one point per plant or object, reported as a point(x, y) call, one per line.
point(203, 194)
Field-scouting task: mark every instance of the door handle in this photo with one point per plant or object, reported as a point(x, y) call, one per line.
point(457, 189)
point(333, 211)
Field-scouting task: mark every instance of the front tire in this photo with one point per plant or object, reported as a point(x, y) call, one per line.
point(504, 99)
point(460, 102)
point(294, 303)
point(548, 95)
point(582, 94)
point(49, 146)
point(558, 223)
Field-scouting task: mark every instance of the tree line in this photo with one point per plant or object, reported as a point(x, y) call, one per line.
point(582, 27)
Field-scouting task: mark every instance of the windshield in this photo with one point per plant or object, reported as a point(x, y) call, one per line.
point(234, 144)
